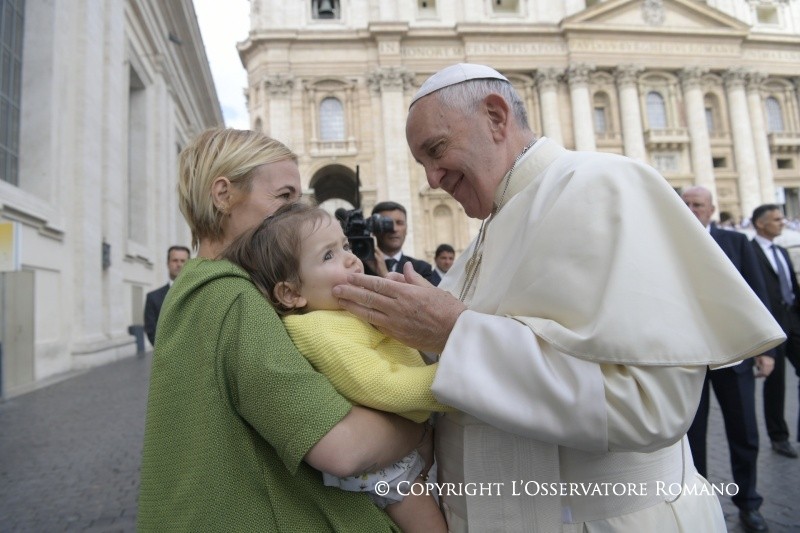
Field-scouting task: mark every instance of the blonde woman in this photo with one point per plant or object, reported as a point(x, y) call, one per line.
point(238, 423)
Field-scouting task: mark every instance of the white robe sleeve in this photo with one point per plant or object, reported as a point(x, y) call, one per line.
point(495, 369)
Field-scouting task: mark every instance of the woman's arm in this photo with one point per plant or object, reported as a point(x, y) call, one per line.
point(365, 440)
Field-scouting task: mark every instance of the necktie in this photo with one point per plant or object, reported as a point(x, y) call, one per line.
point(390, 264)
point(783, 277)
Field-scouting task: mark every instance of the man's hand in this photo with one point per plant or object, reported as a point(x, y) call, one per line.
point(380, 262)
point(414, 312)
point(764, 365)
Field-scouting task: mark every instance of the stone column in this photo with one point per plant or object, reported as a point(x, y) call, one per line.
point(691, 81)
point(632, 136)
point(796, 83)
point(547, 83)
point(578, 78)
point(744, 152)
point(760, 143)
point(279, 88)
point(391, 82)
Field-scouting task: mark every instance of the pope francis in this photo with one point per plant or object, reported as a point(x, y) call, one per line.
point(574, 332)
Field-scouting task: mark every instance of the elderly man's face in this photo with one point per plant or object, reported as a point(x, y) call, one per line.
point(458, 153)
point(699, 202)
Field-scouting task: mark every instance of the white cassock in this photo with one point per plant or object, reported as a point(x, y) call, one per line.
point(597, 306)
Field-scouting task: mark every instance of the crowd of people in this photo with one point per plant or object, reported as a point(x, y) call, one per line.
point(293, 391)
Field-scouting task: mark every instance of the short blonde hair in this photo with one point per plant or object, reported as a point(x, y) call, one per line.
point(234, 154)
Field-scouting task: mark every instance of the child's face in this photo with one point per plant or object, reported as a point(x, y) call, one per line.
point(325, 261)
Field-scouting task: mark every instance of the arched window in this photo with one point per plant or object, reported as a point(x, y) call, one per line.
point(774, 115)
point(600, 113)
point(656, 111)
point(331, 120)
point(710, 120)
point(711, 104)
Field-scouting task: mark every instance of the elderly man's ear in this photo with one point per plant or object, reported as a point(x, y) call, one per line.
point(498, 112)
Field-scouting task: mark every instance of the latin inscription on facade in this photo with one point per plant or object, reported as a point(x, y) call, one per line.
point(432, 51)
point(516, 49)
point(670, 48)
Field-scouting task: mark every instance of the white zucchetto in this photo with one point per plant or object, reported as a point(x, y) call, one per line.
point(454, 74)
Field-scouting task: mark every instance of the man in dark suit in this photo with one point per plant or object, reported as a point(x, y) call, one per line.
point(443, 259)
point(176, 258)
point(784, 297)
point(391, 243)
point(733, 386)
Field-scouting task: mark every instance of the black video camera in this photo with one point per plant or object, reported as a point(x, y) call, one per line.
point(359, 231)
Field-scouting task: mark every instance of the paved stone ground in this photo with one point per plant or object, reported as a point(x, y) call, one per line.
point(69, 456)
point(778, 476)
point(70, 452)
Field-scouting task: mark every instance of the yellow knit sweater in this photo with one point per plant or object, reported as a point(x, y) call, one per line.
point(365, 366)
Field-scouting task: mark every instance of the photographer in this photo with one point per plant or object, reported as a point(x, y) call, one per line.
point(390, 243)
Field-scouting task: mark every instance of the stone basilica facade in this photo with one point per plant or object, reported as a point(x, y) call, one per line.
point(704, 91)
point(96, 100)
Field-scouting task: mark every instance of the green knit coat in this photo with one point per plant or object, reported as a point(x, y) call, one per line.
point(233, 408)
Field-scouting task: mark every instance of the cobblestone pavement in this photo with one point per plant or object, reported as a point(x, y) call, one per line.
point(70, 451)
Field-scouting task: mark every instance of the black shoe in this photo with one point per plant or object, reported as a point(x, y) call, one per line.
point(752, 520)
point(784, 448)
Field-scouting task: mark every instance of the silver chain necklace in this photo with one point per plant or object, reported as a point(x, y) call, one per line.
point(477, 252)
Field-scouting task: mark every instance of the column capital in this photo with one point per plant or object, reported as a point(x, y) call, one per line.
point(627, 74)
point(755, 79)
point(390, 78)
point(548, 77)
point(278, 84)
point(735, 77)
point(578, 73)
point(692, 77)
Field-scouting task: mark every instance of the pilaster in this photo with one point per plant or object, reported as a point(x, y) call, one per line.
point(760, 142)
point(744, 152)
point(278, 88)
point(547, 83)
point(578, 79)
point(391, 83)
point(633, 140)
point(703, 170)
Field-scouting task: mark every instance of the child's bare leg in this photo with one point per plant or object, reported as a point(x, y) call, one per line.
point(418, 514)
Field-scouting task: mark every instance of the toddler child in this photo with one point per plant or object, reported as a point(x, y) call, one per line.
point(295, 258)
